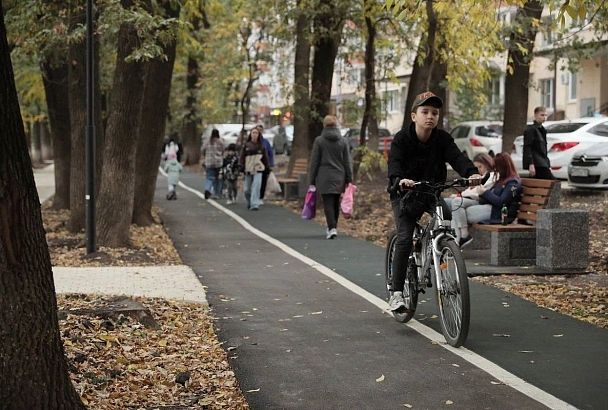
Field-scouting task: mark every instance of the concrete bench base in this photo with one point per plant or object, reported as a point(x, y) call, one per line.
point(562, 239)
point(513, 248)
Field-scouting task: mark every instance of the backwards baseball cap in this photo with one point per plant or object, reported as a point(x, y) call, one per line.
point(427, 98)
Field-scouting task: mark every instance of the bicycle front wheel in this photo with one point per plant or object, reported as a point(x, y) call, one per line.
point(411, 281)
point(453, 293)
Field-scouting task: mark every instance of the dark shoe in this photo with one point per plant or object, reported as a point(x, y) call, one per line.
point(254, 209)
point(465, 241)
point(207, 194)
point(174, 197)
point(169, 196)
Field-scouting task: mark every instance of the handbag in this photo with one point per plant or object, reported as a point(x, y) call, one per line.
point(310, 203)
point(347, 203)
point(272, 184)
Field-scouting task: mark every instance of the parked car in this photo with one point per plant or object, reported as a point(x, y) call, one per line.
point(385, 138)
point(564, 139)
point(478, 137)
point(228, 132)
point(282, 140)
point(589, 167)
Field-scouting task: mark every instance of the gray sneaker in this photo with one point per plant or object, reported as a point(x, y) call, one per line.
point(396, 302)
point(331, 233)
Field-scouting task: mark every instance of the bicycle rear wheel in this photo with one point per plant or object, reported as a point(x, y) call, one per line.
point(453, 293)
point(411, 281)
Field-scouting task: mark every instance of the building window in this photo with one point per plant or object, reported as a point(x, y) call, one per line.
point(494, 91)
point(547, 31)
point(391, 99)
point(572, 84)
point(546, 92)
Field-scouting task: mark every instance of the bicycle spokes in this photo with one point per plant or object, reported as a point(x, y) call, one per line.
point(450, 294)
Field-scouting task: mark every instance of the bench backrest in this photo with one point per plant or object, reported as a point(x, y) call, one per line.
point(300, 166)
point(535, 196)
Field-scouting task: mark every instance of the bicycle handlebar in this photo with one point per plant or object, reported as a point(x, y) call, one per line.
point(436, 186)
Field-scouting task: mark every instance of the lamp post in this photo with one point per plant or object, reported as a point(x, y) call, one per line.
point(90, 137)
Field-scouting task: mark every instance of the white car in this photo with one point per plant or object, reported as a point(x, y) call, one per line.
point(478, 137)
point(589, 168)
point(228, 132)
point(564, 139)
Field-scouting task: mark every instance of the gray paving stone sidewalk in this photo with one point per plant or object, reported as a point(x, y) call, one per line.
point(176, 282)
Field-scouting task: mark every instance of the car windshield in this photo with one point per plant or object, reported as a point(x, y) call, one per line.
point(490, 130)
point(564, 127)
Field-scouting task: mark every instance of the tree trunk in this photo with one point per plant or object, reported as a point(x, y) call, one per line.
point(301, 105)
point(517, 80)
point(370, 119)
point(191, 136)
point(115, 204)
point(370, 113)
point(428, 73)
point(328, 29)
point(77, 112)
point(46, 142)
point(33, 369)
point(55, 79)
point(151, 132)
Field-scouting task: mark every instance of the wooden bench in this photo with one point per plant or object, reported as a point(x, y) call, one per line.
point(515, 244)
point(290, 184)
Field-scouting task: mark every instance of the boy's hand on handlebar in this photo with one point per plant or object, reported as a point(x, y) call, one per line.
point(406, 183)
point(475, 180)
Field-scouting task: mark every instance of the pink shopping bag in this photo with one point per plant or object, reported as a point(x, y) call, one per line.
point(347, 203)
point(310, 203)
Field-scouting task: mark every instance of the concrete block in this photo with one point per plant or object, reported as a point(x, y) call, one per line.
point(481, 239)
point(513, 248)
point(562, 238)
point(554, 196)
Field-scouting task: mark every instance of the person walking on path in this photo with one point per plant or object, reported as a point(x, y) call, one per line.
point(255, 161)
point(213, 154)
point(270, 155)
point(535, 157)
point(173, 168)
point(331, 169)
point(466, 207)
point(419, 153)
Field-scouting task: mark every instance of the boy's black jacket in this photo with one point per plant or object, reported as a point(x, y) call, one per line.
point(409, 158)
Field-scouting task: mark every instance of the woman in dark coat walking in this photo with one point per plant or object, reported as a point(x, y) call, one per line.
point(331, 169)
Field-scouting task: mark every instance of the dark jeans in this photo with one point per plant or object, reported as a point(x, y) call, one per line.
point(264, 181)
point(403, 246)
point(232, 189)
point(331, 206)
point(543, 173)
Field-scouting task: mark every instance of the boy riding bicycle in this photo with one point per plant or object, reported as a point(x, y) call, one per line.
point(419, 153)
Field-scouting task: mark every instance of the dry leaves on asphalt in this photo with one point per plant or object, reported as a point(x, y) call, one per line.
point(118, 363)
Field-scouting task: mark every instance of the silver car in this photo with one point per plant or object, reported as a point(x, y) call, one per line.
point(589, 167)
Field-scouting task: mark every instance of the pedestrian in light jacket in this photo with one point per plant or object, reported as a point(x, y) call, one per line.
point(331, 169)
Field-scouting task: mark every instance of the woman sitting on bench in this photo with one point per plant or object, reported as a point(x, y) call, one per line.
point(505, 191)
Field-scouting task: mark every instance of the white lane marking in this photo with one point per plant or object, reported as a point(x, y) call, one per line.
point(481, 362)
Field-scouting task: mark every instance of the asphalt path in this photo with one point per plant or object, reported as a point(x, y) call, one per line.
point(299, 339)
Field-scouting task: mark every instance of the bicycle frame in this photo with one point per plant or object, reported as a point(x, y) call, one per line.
point(433, 232)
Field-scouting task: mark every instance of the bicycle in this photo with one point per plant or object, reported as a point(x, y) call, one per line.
point(434, 245)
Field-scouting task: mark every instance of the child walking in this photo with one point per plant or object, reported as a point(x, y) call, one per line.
point(173, 169)
point(230, 172)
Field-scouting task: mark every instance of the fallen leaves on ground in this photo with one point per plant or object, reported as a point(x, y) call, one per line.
point(582, 296)
point(119, 363)
point(150, 244)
